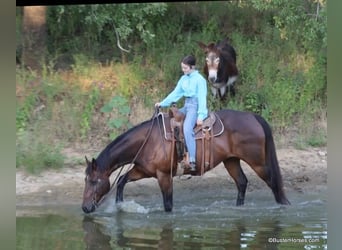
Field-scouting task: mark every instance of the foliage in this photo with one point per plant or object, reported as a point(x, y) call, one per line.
point(18, 34)
point(26, 99)
point(102, 23)
point(37, 155)
point(23, 112)
point(120, 106)
point(304, 21)
point(283, 99)
point(129, 79)
point(88, 110)
point(85, 90)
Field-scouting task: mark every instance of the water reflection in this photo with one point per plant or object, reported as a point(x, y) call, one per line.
point(114, 233)
point(159, 238)
point(97, 237)
point(94, 237)
point(208, 224)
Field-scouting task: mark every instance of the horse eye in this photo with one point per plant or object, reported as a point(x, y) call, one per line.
point(93, 182)
point(87, 179)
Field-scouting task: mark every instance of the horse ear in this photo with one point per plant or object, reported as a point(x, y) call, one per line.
point(87, 161)
point(94, 164)
point(211, 46)
point(202, 45)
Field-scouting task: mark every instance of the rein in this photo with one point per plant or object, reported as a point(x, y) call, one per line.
point(137, 154)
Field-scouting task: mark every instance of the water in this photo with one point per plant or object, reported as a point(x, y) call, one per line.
point(200, 220)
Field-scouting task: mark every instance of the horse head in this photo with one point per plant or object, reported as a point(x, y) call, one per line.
point(97, 184)
point(212, 60)
point(220, 66)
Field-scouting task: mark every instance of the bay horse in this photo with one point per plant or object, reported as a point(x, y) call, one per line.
point(220, 67)
point(246, 136)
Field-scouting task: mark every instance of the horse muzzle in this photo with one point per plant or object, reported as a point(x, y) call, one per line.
point(212, 79)
point(89, 209)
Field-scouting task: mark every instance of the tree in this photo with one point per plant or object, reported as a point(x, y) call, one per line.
point(305, 20)
point(119, 24)
point(33, 36)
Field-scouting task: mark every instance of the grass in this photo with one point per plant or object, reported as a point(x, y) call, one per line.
point(62, 109)
point(37, 155)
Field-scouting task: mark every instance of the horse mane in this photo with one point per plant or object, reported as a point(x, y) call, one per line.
point(102, 158)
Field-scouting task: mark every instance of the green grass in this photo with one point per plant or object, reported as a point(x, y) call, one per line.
point(284, 85)
point(35, 156)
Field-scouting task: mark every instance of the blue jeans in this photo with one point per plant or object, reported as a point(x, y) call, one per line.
point(190, 110)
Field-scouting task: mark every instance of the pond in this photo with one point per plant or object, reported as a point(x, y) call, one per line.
point(200, 220)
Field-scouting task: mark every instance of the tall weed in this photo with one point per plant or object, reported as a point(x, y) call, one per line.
point(118, 110)
point(88, 110)
point(35, 153)
point(277, 79)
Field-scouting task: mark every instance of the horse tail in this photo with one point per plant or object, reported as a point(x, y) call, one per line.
point(272, 165)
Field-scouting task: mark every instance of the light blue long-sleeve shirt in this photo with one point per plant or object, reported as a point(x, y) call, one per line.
point(190, 85)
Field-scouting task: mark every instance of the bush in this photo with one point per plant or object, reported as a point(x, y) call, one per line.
point(282, 79)
point(36, 155)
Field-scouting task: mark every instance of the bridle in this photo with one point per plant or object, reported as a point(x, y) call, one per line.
point(99, 180)
point(95, 193)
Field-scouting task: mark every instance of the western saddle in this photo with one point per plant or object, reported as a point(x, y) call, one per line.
point(212, 126)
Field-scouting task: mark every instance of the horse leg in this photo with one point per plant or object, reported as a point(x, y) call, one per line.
point(222, 92)
point(231, 89)
point(233, 167)
point(133, 175)
point(214, 92)
point(230, 84)
point(265, 174)
point(166, 186)
point(268, 167)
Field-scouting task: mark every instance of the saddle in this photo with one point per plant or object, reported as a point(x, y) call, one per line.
point(212, 126)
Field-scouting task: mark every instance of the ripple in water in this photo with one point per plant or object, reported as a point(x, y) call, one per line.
point(109, 207)
point(132, 207)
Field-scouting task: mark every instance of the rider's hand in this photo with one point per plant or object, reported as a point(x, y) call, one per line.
point(199, 122)
point(157, 105)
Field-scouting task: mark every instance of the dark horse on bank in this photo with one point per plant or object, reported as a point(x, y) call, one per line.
point(245, 136)
point(220, 67)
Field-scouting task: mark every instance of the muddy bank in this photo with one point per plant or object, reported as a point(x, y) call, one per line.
point(302, 170)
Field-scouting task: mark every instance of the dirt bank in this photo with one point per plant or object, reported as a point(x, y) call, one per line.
point(302, 170)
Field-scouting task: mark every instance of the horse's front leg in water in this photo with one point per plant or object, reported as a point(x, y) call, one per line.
point(119, 191)
point(166, 186)
point(133, 175)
